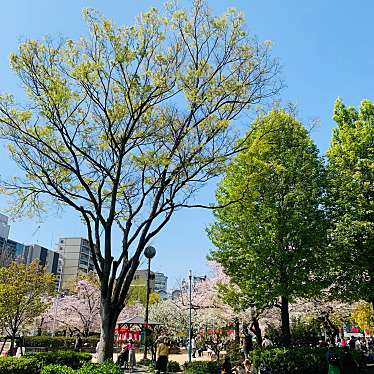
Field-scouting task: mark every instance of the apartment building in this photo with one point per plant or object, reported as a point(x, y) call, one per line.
point(76, 258)
point(47, 258)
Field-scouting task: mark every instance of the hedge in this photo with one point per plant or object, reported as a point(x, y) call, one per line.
point(19, 365)
point(106, 368)
point(303, 360)
point(72, 359)
point(58, 342)
point(203, 367)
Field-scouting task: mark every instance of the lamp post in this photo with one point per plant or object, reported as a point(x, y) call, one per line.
point(149, 253)
point(190, 319)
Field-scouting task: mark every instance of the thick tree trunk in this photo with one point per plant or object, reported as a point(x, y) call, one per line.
point(285, 317)
point(108, 323)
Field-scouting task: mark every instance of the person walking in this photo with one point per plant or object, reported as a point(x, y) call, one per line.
point(162, 356)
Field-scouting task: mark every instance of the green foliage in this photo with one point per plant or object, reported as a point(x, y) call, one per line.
point(56, 369)
point(297, 360)
point(145, 362)
point(271, 242)
point(234, 353)
point(107, 367)
point(305, 333)
point(203, 367)
point(351, 200)
point(23, 290)
point(72, 359)
point(173, 367)
point(19, 365)
point(58, 342)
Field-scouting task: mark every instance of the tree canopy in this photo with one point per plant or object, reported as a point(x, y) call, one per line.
point(24, 293)
point(272, 241)
point(351, 201)
point(123, 126)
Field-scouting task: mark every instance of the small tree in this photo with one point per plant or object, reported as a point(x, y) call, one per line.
point(363, 315)
point(80, 311)
point(124, 126)
point(272, 242)
point(23, 291)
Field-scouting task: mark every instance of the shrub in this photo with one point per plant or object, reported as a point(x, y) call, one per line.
point(145, 362)
point(297, 360)
point(69, 358)
point(56, 369)
point(203, 367)
point(19, 365)
point(106, 368)
point(173, 367)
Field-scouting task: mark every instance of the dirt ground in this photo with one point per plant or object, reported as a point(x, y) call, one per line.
point(181, 358)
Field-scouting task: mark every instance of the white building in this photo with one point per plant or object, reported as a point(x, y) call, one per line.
point(76, 258)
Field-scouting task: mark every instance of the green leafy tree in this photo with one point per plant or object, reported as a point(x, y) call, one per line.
point(351, 201)
point(24, 290)
point(271, 242)
point(124, 126)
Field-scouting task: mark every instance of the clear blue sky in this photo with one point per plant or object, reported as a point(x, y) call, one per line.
point(326, 50)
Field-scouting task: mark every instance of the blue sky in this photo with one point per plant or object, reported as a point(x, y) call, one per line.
point(325, 48)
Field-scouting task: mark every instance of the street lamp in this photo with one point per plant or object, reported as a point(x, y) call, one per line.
point(149, 253)
point(190, 319)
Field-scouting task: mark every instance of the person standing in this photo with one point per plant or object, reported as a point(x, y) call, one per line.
point(162, 356)
point(78, 343)
point(132, 359)
point(226, 367)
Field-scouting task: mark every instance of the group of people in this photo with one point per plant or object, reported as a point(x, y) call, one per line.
point(126, 359)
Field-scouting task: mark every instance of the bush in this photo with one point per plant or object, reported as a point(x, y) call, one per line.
point(145, 362)
point(297, 360)
point(173, 367)
point(56, 369)
point(19, 365)
point(106, 368)
point(58, 342)
point(203, 367)
point(72, 359)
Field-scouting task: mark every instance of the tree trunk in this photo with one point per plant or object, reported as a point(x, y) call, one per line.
point(286, 334)
point(237, 331)
point(255, 328)
point(108, 324)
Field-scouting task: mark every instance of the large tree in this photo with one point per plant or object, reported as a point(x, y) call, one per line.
point(123, 126)
point(271, 243)
point(24, 291)
point(351, 201)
